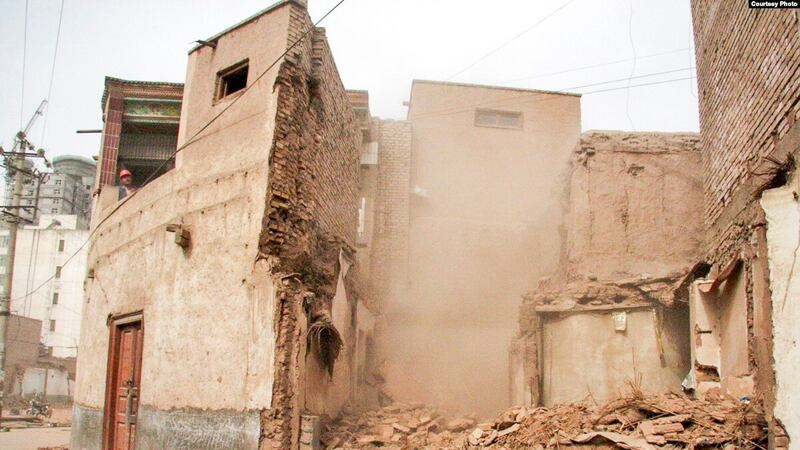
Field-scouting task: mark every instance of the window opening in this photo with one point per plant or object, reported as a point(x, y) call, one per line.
point(232, 80)
point(498, 119)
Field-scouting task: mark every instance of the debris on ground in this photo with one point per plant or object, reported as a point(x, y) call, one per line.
point(399, 426)
point(634, 421)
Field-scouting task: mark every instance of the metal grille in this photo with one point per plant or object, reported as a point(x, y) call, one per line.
point(147, 146)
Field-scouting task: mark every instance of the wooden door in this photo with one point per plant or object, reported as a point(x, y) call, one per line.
point(123, 384)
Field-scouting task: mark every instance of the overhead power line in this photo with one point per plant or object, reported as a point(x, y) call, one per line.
point(189, 142)
point(24, 56)
point(654, 83)
point(633, 69)
point(592, 66)
point(536, 97)
point(52, 72)
point(514, 38)
point(514, 99)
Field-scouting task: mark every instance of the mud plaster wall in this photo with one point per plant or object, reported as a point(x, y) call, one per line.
point(731, 308)
point(632, 212)
point(208, 310)
point(486, 197)
point(326, 395)
point(584, 356)
point(22, 348)
point(311, 217)
point(705, 334)
point(719, 334)
point(783, 223)
point(634, 205)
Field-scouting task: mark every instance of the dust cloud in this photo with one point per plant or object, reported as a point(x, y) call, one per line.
point(484, 226)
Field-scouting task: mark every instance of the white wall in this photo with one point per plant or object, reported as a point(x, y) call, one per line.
point(33, 382)
point(783, 240)
point(34, 284)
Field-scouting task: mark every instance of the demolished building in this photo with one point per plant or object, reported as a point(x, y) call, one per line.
point(744, 324)
point(615, 310)
point(285, 251)
point(218, 294)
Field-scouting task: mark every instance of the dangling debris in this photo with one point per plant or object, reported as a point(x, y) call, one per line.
point(325, 341)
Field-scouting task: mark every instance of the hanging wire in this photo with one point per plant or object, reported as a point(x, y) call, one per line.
point(52, 73)
point(24, 57)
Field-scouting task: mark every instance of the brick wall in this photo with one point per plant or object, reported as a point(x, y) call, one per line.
point(22, 347)
point(389, 250)
point(312, 212)
point(748, 68)
point(111, 134)
point(315, 157)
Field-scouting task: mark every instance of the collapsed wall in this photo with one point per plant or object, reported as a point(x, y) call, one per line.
point(309, 237)
point(615, 311)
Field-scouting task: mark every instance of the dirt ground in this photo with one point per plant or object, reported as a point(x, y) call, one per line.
point(33, 438)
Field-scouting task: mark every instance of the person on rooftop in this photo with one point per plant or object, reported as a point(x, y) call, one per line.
point(126, 187)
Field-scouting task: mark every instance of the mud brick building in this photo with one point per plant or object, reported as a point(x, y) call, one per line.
point(745, 313)
point(220, 294)
point(614, 311)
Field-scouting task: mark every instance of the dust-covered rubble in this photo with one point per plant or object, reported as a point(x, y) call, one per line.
point(634, 421)
point(399, 425)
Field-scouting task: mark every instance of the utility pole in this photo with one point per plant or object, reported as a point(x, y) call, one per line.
point(15, 161)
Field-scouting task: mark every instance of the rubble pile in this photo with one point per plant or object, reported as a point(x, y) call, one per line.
point(399, 425)
point(634, 421)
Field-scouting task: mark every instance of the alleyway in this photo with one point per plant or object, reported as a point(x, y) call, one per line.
point(34, 438)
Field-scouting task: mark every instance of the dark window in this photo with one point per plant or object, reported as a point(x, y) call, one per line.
point(58, 271)
point(61, 245)
point(52, 325)
point(55, 298)
point(232, 79)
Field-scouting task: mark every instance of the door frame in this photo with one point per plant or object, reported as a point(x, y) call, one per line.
point(115, 323)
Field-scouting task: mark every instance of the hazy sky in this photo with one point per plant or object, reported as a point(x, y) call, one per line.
point(379, 45)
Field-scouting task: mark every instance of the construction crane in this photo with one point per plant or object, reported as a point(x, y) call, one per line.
point(15, 162)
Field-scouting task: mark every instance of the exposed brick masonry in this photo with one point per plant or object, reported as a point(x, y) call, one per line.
point(749, 84)
point(312, 205)
point(111, 134)
point(389, 252)
point(748, 69)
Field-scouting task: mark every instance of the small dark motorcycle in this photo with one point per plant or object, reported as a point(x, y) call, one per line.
point(38, 407)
